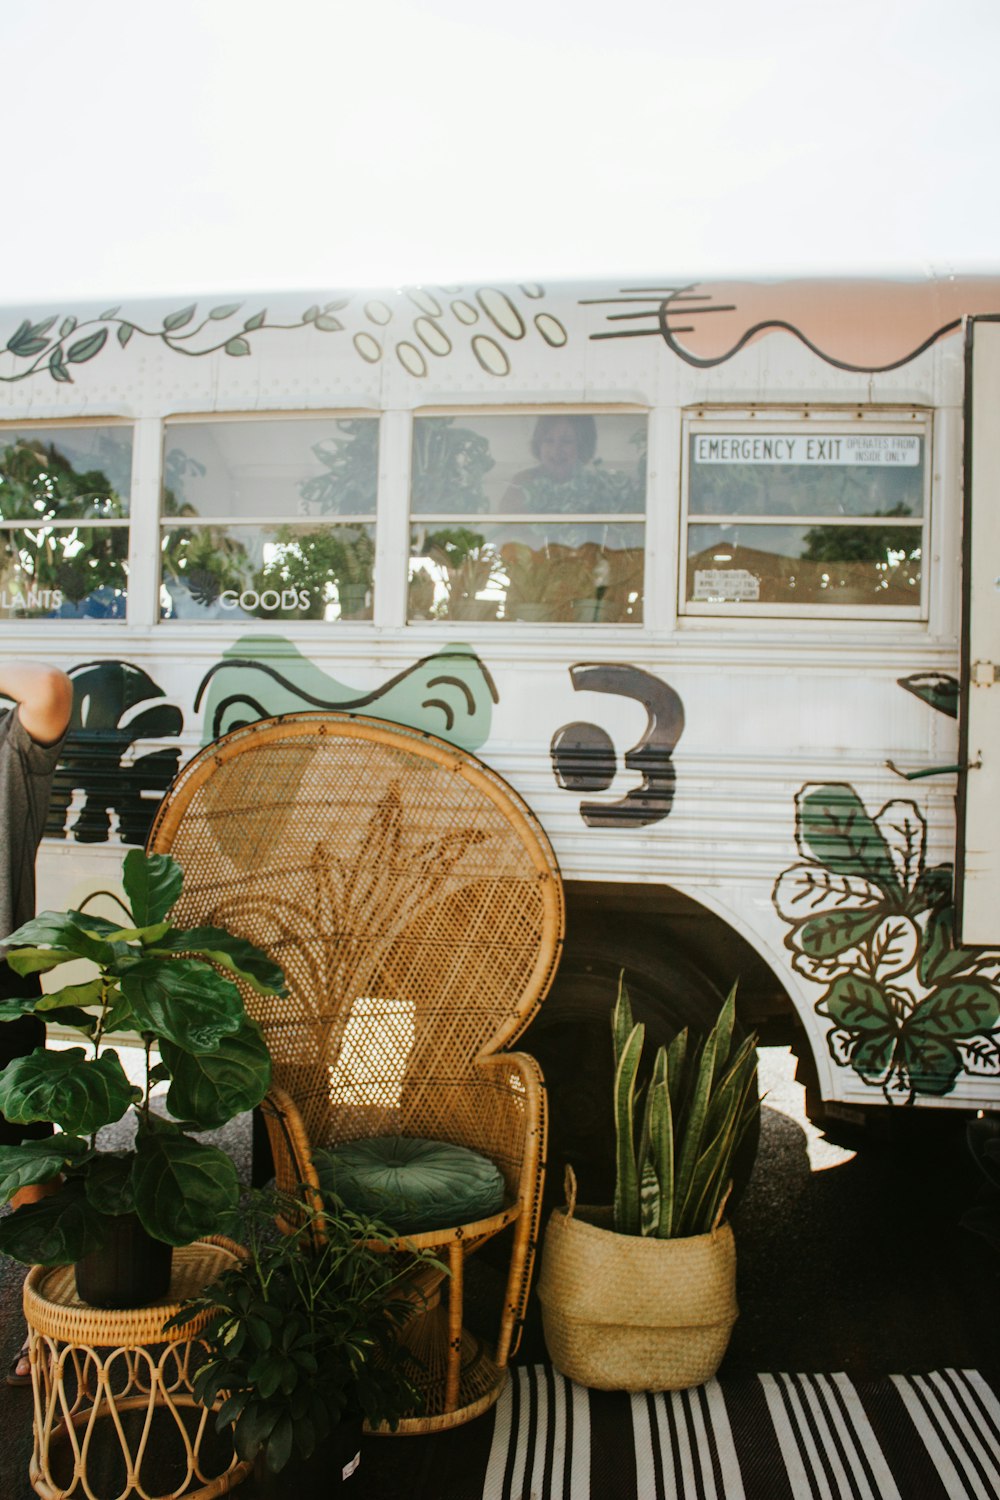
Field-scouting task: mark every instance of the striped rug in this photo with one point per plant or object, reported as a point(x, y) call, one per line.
point(773, 1437)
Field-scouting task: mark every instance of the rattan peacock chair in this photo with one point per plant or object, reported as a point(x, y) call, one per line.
point(416, 907)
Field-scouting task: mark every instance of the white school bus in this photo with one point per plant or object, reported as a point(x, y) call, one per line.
point(708, 572)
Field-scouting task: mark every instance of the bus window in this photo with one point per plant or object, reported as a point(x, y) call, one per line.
point(528, 517)
point(64, 527)
point(269, 519)
point(806, 515)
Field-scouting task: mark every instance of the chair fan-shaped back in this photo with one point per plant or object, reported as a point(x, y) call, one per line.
point(410, 896)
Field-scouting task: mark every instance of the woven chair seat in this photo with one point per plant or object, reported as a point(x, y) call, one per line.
point(416, 908)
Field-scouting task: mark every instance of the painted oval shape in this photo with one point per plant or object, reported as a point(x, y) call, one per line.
point(532, 289)
point(501, 312)
point(378, 312)
point(426, 303)
point(369, 348)
point(489, 354)
point(465, 312)
point(431, 336)
point(583, 758)
point(411, 359)
point(551, 329)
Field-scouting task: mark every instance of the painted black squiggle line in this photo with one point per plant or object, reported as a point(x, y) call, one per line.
point(668, 308)
point(347, 704)
point(456, 682)
point(446, 709)
point(839, 364)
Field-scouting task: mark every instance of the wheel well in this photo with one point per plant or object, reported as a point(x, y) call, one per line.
point(654, 920)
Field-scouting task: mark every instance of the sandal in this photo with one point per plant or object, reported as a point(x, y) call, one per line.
point(14, 1375)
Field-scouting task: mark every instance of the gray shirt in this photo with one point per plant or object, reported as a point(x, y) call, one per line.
point(26, 770)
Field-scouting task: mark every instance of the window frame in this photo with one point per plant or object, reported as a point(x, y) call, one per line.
point(372, 519)
point(883, 419)
point(124, 523)
point(458, 518)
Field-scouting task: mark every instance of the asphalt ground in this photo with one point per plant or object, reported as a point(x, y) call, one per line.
point(852, 1262)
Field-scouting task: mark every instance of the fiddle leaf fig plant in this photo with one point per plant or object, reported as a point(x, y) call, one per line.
point(164, 984)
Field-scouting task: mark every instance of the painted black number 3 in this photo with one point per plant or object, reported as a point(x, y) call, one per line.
point(583, 755)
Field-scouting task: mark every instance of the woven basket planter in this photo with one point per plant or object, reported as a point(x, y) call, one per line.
point(625, 1313)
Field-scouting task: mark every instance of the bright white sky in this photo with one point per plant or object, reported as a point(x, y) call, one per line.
point(205, 145)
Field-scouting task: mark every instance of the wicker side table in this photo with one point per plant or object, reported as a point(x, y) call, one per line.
point(111, 1388)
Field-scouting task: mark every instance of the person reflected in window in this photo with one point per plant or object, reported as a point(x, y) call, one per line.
point(562, 445)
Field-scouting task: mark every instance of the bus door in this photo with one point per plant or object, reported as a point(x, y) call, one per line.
point(977, 885)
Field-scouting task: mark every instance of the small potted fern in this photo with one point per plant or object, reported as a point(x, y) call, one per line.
point(641, 1294)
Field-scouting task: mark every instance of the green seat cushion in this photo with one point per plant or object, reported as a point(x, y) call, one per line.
point(411, 1184)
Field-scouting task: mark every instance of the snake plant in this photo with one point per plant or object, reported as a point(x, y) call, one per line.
point(677, 1137)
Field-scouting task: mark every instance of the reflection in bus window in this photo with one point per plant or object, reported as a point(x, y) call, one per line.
point(269, 519)
point(806, 517)
point(64, 529)
point(559, 507)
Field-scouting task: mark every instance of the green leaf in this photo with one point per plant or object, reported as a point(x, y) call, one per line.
point(626, 1206)
point(38, 1161)
point(835, 932)
point(38, 960)
point(27, 340)
point(55, 1231)
point(183, 1188)
point(58, 1015)
point(310, 314)
point(57, 368)
point(144, 935)
point(23, 329)
point(77, 1094)
point(85, 349)
point(71, 994)
point(237, 955)
point(857, 1004)
point(125, 332)
point(934, 888)
point(326, 323)
point(661, 1145)
point(237, 346)
point(108, 1182)
point(179, 319)
point(279, 1444)
point(60, 930)
point(112, 312)
point(213, 1087)
point(622, 1020)
point(253, 1429)
point(939, 958)
point(255, 322)
point(225, 311)
point(958, 1009)
point(833, 824)
point(873, 1055)
point(119, 1016)
point(153, 883)
point(931, 1062)
point(66, 327)
point(183, 1001)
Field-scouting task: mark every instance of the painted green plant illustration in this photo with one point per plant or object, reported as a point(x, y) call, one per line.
point(873, 924)
point(36, 347)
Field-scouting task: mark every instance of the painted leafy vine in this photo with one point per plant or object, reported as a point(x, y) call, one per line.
point(873, 924)
point(37, 347)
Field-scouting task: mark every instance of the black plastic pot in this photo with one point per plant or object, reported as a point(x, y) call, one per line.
point(131, 1270)
point(332, 1466)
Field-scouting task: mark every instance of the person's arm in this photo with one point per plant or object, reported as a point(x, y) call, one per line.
point(44, 696)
